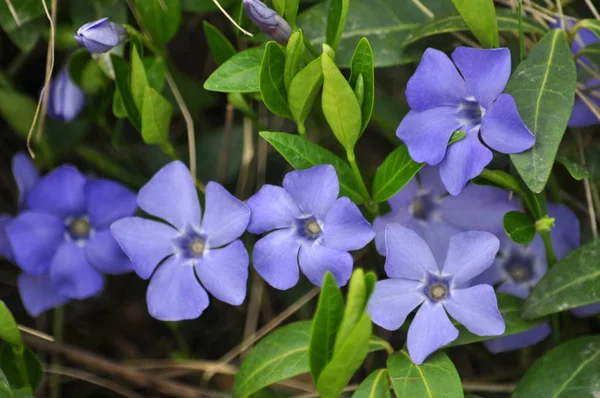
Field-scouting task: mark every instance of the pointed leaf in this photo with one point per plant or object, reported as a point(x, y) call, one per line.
point(9, 332)
point(272, 86)
point(374, 386)
point(161, 18)
point(156, 117)
point(356, 301)
point(220, 47)
point(519, 227)
point(239, 74)
point(362, 65)
point(293, 56)
point(304, 89)
point(138, 78)
point(480, 17)
point(336, 21)
point(291, 11)
point(576, 169)
point(394, 173)
point(124, 89)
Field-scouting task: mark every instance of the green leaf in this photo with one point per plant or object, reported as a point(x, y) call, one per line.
point(374, 386)
point(17, 110)
point(82, 12)
point(340, 106)
point(336, 21)
point(510, 308)
point(543, 87)
point(220, 47)
point(291, 11)
point(480, 17)
point(22, 369)
point(156, 117)
point(304, 88)
point(239, 74)
point(576, 169)
point(293, 56)
point(569, 370)
point(272, 87)
point(203, 6)
point(394, 173)
point(362, 65)
point(9, 332)
point(591, 52)
point(356, 302)
point(5, 390)
point(123, 87)
point(346, 360)
point(279, 6)
point(572, 282)
point(507, 22)
point(379, 344)
point(325, 325)
point(161, 18)
point(156, 71)
point(138, 78)
point(519, 227)
point(28, 12)
point(302, 154)
point(436, 377)
point(457, 136)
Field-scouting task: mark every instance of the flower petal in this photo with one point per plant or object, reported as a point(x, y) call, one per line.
point(345, 228)
point(72, 274)
point(426, 133)
point(38, 294)
point(586, 310)
point(476, 308)
point(316, 260)
point(145, 242)
point(225, 216)
point(315, 189)
point(436, 82)
point(464, 161)
point(108, 201)
point(174, 293)
point(503, 129)
point(5, 248)
point(431, 181)
point(469, 254)
point(582, 115)
point(60, 193)
point(401, 216)
point(565, 234)
point(408, 256)
point(224, 272)
point(437, 235)
point(430, 330)
point(519, 340)
point(272, 208)
point(486, 71)
point(514, 289)
point(104, 253)
point(46, 231)
point(171, 195)
point(275, 258)
point(392, 301)
point(26, 175)
point(405, 196)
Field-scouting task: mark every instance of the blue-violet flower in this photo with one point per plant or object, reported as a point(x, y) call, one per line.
point(268, 21)
point(66, 99)
point(100, 36)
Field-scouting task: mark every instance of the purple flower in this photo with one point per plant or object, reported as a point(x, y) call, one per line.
point(416, 280)
point(427, 209)
point(312, 229)
point(100, 36)
point(65, 99)
point(268, 21)
point(582, 115)
point(209, 244)
point(62, 241)
point(443, 101)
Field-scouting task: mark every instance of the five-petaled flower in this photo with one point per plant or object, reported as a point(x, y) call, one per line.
point(443, 101)
point(311, 227)
point(100, 36)
point(416, 280)
point(209, 244)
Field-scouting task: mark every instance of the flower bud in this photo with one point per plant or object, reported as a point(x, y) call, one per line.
point(268, 21)
point(65, 99)
point(100, 36)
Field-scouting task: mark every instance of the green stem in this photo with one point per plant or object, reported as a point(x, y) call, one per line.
point(59, 326)
point(359, 180)
point(302, 129)
point(521, 36)
point(502, 179)
point(551, 259)
point(181, 344)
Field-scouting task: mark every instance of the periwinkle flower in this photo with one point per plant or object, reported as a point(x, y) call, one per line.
point(311, 229)
point(208, 244)
point(66, 99)
point(100, 36)
point(443, 101)
point(268, 21)
point(417, 281)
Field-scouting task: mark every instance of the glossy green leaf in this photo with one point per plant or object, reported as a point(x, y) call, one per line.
point(480, 17)
point(569, 370)
point(543, 87)
point(17, 110)
point(362, 65)
point(291, 11)
point(302, 154)
point(325, 324)
point(9, 332)
point(160, 17)
point(576, 169)
point(279, 6)
point(356, 302)
point(293, 56)
point(239, 74)
point(507, 22)
point(138, 79)
point(572, 282)
point(31, 17)
point(436, 377)
point(124, 88)
point(519, 227)
point(336, 21)
point(340, 106)
point(457, 136)
point(374, 386)
point(156, 117)
point(272, 86)
point(220, 47)
point(394, 173)
point(304, 89)
point(22, 369)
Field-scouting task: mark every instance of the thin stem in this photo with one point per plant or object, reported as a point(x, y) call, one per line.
point(586, 185)
point(311, 48)
point(59, 328)
point(551, 259)
point(521, 35)
point(302, 129)
point(357, 176)
point(178, 336)
point(503, 179)
point(13, 12)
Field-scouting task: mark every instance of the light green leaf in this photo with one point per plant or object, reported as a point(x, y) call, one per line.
point(573, 282)
point(272, 86)
point(480, 17)
point(291, 11)
point(519, 227)
point(279, 6)
point(156, 117)
point(161, 18)
point(543, 87)
point(138, 78)
point(569, 370)
point(156, 71)
point(304, 88)
point(374, 386)
point(239, 74)
point(220, 47)
point(336, 21)
point(124, 88)
point(9, 332)
point(293, 56)
point(356, 302)
point(394, 173)
point(576, 169)
point(362, 65)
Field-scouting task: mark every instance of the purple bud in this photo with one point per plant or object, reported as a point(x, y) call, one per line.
point(268, 21)
point(65, 99)
point(100, 36)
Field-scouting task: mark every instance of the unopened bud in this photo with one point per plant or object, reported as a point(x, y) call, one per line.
point(65, 99)
point(268, 21)
point(100, 36)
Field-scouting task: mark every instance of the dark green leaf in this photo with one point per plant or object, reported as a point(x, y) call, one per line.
point(123, 87)
point(240, 73)
point(480, 17)
point(394, 173)
point(160, 17)
point(5, 390)
point(220, 47)
point(362, 65)
point(591, 52)
point(576, 169)
point(77, 63)
point(272, 86)
point(22, 369)
point(138, 79)
point(436, 377)
point(294, 52)
point(82, 12)
point(304, 89)
point(573, 282)
point(336, 21)
point(543, 87)
point(9, 332)
point(17, 110)
point(569, 370)
point(203, 6)
point(29, 13)
point(303, 154)
point(519, 227)
point(156, 117)
point(374, 386)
